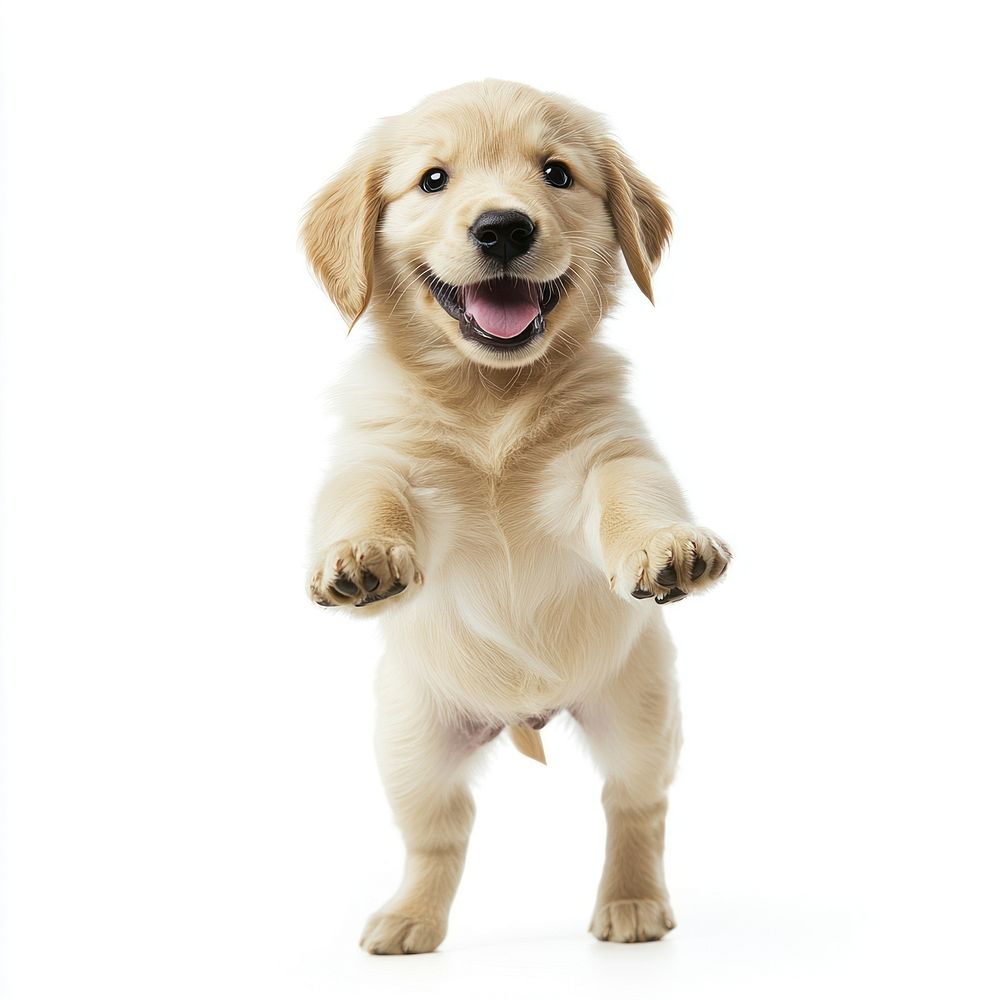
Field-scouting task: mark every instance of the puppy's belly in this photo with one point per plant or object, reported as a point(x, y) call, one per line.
point(509, 635)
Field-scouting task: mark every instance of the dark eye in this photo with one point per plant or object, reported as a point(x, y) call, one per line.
point(434, 180)
point(557, 174)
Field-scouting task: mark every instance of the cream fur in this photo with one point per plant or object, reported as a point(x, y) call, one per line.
point(519, 502)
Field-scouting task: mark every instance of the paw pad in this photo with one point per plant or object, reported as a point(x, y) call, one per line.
point(362, 573)
point(676, 561)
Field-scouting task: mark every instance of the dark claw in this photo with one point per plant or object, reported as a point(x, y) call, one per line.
point(397, 588)
point(667, 576)
point(698, 568)
point(641, 594)
point(370, 580)
point(344, 587)
point(671, 598)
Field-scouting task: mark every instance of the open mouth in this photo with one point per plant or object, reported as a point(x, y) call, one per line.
point(503, 314)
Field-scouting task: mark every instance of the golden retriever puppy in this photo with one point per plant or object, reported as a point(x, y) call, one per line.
point(497, 501)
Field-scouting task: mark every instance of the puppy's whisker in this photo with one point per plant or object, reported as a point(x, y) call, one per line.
point(421, 275)
point(586, 286)
point(584, 275)
point(407, 272)
point(407, 276)
point(598, 252)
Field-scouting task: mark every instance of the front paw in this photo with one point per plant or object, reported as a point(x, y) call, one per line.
point(359, 573)
point(675, 561)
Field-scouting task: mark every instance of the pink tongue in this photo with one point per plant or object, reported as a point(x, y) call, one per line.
point(502, 309)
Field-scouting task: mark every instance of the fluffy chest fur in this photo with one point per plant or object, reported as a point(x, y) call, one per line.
point(512, 618)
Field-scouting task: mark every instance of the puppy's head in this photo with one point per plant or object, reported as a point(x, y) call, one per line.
point(485, 226)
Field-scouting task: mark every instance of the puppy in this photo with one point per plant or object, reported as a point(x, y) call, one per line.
point(497, 501)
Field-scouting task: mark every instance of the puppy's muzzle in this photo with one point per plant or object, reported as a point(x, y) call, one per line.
point(503, 235)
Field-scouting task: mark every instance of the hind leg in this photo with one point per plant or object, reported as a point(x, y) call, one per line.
point(424, 765)
point(633, 728)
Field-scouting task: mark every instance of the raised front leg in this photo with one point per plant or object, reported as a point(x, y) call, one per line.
point(424, 764)
point(633, 728)
point(364, 537)
point(640, 531)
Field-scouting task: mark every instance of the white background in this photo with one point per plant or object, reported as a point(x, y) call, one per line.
point(191, 806)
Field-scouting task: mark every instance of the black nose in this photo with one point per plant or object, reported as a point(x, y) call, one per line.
point(504, 235)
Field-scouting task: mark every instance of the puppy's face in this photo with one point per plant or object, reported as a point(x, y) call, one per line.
point(485, 226)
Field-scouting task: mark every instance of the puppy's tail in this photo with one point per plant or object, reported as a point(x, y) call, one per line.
point(528, 741)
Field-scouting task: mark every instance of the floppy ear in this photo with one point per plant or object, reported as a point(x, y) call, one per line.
point(640, 215)
point(338, 234)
